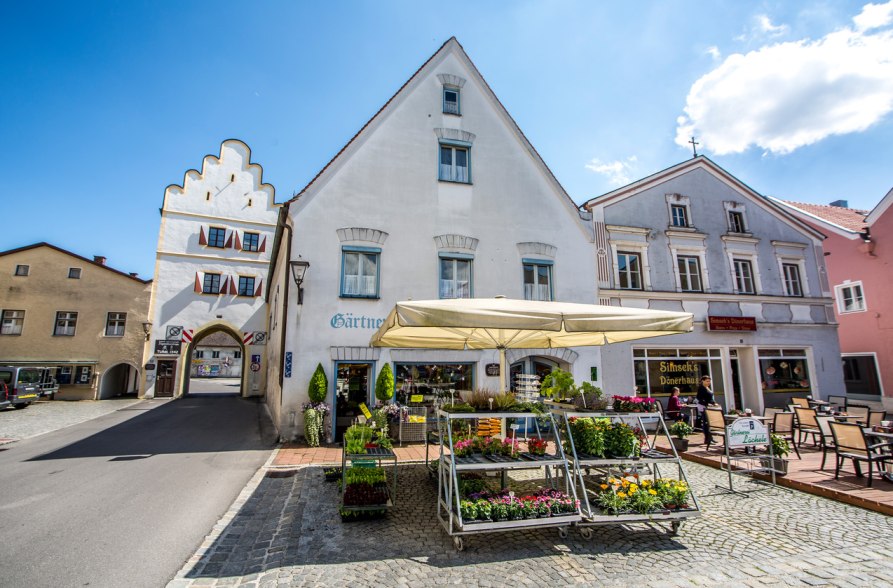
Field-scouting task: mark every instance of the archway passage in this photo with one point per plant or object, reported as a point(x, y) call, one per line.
point(119, 380)
point(216, 362)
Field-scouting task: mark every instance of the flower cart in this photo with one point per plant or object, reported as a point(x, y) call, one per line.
point(369, 474)
point(619, 473)
point(467, 505)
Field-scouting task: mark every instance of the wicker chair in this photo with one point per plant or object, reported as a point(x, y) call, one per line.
point(838, 403)
point(769, 413)
point(827, 436)
point(783, 426)
point(806, 424)
point(875, 417)
point(716, 423)
point(801, 402)
point(850, 443)
point(859, 411)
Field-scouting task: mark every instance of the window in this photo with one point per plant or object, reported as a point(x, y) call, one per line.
point(199, 354)
point(792, 284)
point(216, 237)
point(12, 322)
point(250, 242)
point(215, 355)
point(74, 273)
point(689, 273)
point(66, 323)
point(211, 284)
point(359, 273)
point(246, 286)
point(450, 100)
point(736, 222)
point(679, 215)
point(784, 371)
point(860, 375)
point(629, 268)
point(23, 270)
point(850, 297)
point(454, 164)
point(537, 280)
point(744, 282)
point(455, 278)
point(237, 354)
point(114, 325)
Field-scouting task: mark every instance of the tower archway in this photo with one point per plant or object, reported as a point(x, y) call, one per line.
point(216, 360)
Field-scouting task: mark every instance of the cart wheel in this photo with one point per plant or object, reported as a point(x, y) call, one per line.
point(586, 532)
point(562, 532)
point(459, 543)
point(674, 527)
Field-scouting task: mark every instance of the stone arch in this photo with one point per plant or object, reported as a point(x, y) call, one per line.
point(117, 379)
point(200, 333)
point(563, 356)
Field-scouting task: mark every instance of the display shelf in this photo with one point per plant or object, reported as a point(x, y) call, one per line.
point(449, 468)
point(385, 459)
point(650, 460)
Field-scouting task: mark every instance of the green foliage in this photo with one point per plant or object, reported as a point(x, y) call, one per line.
point(319, 385)
point(780, 445)
point(473, 483)
point(356, 437)
point(380, 418)
point(590, 397)
point(621, 441)
point(357, 475)
point(458, 407)
point(503, 401)
point(681, 429)
point(384, 385)
point(478, 398)
point(558, 384)
point(313, 427)
point(588, 435)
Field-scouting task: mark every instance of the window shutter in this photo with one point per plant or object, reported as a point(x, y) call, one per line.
point(229, 241)
point(263, 245)
point(232, 287)
point(238, 242)
point(202, 239)
point(260, 287)
point(198, 284)
point(225, 284)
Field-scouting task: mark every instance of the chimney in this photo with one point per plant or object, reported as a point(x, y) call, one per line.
point(99, 259)
point(840, 203)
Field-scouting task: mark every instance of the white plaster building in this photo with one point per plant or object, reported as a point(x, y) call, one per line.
point(211, 269)
point(439, 195)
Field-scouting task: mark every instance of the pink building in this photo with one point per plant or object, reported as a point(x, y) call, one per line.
point(858, 255)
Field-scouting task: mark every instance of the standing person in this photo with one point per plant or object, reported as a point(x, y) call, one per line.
point(674, 407)
point(704, 399)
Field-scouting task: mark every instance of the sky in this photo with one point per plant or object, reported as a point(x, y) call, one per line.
point(104, 104)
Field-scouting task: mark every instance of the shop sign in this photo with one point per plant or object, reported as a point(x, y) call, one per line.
point(676, 373)
point(413, 418)
point(745, 432)
point(731, 323)
point(347, 320)
point(492, 369)
point(167, 347)
point(417, 398)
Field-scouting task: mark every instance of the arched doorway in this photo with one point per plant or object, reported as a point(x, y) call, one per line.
point(539, 362)
point(118, 380)
point(214, 363)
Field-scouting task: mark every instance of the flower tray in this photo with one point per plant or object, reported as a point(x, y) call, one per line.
point(534, 457)
point(546, 521)
point(502, 459)
point(353, 516)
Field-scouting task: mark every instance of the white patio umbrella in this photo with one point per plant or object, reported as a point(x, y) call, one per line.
point(502, 323)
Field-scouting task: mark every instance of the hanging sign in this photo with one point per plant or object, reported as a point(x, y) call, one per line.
point(365, 410)
point(492, 369)
point(174, 332)
point(746, 432)
point(417, 398)
point(731, 323)
point(167, 347)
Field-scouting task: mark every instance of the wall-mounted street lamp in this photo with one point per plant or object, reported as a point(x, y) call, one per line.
point(147, 329)
point(298, 270)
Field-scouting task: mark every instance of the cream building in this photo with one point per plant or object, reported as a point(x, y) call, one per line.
point(77, 316)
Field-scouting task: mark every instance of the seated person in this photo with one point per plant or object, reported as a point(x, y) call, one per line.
point(674, 407)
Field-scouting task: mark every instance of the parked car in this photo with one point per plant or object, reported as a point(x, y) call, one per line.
point(4, 396)
point(22, 385)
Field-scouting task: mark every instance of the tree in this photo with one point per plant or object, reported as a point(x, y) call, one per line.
point(319, 385)
point(384, 385)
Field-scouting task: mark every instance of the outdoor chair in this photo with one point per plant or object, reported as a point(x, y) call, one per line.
point(769, 413)
point(783, 425)
point(875, 417)
point(838, 403)
point(827, 437)
point(850, 443)
point(801, 402)
point(716, 423)
point(859, 411)
point(806, 424)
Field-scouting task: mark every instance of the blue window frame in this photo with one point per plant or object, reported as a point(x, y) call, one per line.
point(246, 286)
point(211, 284)
point(455, 275)
point(537, 279)
point(359, 272)
point(216, 237)
point(450, 100)
point(455, 163)
point(250, 241)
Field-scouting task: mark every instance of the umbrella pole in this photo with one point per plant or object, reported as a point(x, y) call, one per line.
point(502, 370)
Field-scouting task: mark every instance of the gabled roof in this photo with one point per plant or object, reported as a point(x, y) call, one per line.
point(450, 46)
point(76, 256)
point(705, 163)
point(880, 209)
point(849, 219)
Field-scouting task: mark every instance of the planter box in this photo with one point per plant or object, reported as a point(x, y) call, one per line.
point(776, 463)
point(681, 445)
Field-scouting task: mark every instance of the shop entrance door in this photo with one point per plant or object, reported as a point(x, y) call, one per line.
point(351, 390)
point(164, 382)
point(736, 385)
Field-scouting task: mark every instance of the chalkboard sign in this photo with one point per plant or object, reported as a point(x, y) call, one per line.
point(492, 369)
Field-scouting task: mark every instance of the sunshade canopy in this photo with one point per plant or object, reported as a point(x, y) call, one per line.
point(502, 323)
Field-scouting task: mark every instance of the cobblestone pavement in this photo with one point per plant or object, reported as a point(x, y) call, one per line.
point(45, 416)
point(286, 531)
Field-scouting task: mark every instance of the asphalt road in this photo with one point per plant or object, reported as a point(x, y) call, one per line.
point(125, 499)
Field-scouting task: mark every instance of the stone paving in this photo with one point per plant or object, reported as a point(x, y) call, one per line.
point(45, 416)
point(285, 531)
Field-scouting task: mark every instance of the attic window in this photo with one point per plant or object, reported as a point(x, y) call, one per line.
point(450, 100)
point(74, 273)
point(23, 270)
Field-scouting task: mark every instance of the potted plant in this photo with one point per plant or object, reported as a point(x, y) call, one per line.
point(315, 411)
point(680, 430)
point(559, 385)
point(780, 448)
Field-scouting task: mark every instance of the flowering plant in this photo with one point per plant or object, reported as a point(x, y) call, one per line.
point(629, 493)
point(463, 448)
point(634, 404)
point(505, 505)
point(321, 407)
point(536, 446)
point(393, 410)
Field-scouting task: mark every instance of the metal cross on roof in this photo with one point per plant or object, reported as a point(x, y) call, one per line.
point(694, 147)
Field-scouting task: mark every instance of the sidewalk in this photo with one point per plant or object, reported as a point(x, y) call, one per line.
point(292, 454)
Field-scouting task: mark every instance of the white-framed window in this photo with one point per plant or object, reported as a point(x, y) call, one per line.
point(114, 324)
point(250, 241)
point(679, 215)
point(74, 273)
point(12, 322)
point(537, 279)
point(455, 163)
point(199, 353)
point(850, 297)
point(744, 277)
point(215, 354)
point(455, 276)
point(66, 323)
point(689, 267)
point(629, 271)
point(359, 272)
point(793, 285)
point(211, 284)
point(679, 210)
point(237, 354)
point(736, 222)
point(246, 286)
point(23, 270)
point(451, 100)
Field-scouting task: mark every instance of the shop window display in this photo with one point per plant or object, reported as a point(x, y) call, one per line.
point(784, 371)
point(432, 381)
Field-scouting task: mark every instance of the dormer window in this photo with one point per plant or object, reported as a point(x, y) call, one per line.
point(679, 215)
point(736, 222)
point(450, 100)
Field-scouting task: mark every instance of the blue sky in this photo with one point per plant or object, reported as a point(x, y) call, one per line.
point(104, 104)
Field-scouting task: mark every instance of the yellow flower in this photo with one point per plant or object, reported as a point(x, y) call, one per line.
point(652, 492)
point(624, 483)
point(621, 494)
point(633, 489)
point(604, 486)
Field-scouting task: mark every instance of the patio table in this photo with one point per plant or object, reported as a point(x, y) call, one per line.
point(869, 432)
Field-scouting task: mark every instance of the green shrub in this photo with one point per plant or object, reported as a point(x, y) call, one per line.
point(312, 427)
point(384, 385)
point(319, 385)
point(558, 384)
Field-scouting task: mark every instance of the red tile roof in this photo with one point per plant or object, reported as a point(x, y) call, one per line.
point(848, 218)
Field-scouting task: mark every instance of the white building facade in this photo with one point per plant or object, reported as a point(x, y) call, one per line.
point(694, 238)
point(440, 195)
point(211, 270)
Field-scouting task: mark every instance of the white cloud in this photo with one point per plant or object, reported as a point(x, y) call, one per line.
point(617, 172)
point(784, 96)
point(713, 51)
point(764, 23)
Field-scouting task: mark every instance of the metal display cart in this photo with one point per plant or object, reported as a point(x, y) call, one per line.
point(590, 471)
point(374, 457)
point(450, 467)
